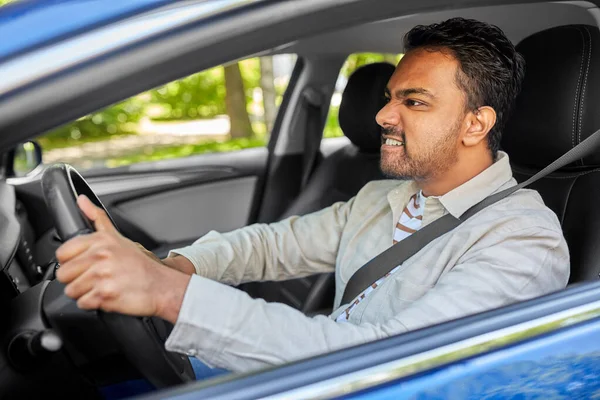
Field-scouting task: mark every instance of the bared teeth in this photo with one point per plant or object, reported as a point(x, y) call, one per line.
point(393, 142)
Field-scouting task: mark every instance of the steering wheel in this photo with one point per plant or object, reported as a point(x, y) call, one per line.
point(138, 337)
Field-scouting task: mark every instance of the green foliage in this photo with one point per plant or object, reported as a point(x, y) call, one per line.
point(332, 126)
point(163, 153)
point(118, 120)
point(201, 95)
point(355, 61)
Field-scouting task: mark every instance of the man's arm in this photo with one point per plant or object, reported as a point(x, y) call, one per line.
point(294, 247)
point(179, 263)
point(228, 329)
point(176, 262)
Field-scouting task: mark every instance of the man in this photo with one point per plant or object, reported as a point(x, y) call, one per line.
point(449, 99)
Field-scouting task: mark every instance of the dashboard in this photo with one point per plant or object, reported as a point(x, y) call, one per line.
point(20, 263)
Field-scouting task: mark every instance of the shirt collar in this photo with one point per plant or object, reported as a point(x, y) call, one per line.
point(463, 197)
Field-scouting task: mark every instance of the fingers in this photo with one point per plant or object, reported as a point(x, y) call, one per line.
point(97, 215)
point(75, 246)
point(89, 301)
point(94, 288)
point(82, 284)
point(98, 298)
point(70, 269)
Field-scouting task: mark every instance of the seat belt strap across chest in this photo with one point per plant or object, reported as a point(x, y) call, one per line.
point(406, 248)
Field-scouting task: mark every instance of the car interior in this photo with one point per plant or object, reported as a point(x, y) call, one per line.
point(538, 115)
point(168, 204)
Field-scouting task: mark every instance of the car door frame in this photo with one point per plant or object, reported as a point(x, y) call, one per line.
point(386, 366)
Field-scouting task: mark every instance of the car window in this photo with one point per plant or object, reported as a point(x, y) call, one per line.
point(353, 62)
point(226, 108)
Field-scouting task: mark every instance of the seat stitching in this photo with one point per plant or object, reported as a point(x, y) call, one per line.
point(587, 70)
point(577, 89)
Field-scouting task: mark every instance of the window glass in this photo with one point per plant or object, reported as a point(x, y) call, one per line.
point(225, 108)
point(353, 62)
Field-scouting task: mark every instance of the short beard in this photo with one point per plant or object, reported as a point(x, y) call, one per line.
point(435, 160)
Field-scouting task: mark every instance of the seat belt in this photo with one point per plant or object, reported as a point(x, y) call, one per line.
point(406, 248)
point(312, 136)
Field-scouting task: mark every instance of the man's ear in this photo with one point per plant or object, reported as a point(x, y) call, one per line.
point(479, 123)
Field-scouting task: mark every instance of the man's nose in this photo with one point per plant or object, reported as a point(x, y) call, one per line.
point(387, 117)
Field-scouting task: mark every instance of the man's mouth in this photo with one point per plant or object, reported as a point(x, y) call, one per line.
point(393, 142)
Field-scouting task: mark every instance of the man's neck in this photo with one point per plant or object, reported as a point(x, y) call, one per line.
point(462, 171)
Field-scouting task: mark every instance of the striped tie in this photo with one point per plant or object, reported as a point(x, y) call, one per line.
point(410, 221)
point(411, 218)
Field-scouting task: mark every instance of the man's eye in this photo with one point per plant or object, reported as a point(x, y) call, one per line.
point(414, 103)
point(387, 99)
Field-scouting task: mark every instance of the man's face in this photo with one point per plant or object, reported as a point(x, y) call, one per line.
point(422, 122)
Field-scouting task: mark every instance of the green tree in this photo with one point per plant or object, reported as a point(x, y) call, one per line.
point(269, 94)
point(201, 95)
point(355, 61)
point(116, 120)
point(235, 102)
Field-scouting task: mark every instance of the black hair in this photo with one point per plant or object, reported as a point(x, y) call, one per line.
point(491, 70)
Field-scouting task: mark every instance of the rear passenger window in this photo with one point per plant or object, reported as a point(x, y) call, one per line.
point(354, 61)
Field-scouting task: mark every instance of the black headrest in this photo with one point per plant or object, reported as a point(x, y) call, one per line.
point(556, 109)
point(361, 101)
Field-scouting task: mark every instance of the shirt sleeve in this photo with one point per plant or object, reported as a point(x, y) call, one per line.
point(294, 247)
point(226, 328)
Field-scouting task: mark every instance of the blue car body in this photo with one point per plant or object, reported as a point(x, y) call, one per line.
point(564, 364)
point(546, 358)
point(24, 25)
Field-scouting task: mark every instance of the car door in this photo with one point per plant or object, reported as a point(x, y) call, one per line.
point(168, 204)
point(545, 347)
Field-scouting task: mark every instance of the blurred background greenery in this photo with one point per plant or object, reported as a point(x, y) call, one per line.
point(199, 96)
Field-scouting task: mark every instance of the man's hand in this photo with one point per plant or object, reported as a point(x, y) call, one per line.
point(148, 253)
point(177, 262)
point(104, 270)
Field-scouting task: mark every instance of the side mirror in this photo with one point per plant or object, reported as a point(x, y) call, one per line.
point(24, 158)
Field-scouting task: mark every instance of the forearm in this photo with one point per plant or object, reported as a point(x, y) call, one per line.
point(179, 263)
point(295, 247)
point(173, 286)
point(226, 328)
point(175, 262)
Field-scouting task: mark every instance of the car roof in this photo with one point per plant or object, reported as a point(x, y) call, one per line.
point(67, 18)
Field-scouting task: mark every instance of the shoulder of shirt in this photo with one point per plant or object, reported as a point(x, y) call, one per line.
point(526, 209)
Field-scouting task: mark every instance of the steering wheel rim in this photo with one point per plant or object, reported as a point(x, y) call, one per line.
point(138, 337)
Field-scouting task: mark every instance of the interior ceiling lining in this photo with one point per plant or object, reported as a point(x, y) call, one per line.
point(517, 21)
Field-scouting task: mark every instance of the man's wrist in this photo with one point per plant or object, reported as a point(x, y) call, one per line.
point(180, 263)
point(171, 291)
